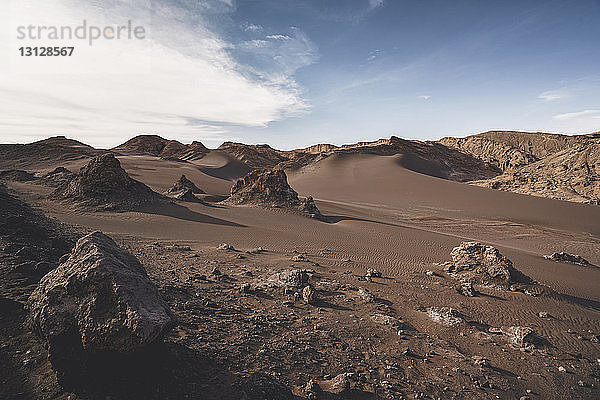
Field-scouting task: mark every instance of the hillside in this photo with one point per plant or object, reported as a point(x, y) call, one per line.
point(47, 152)
point(539, 164)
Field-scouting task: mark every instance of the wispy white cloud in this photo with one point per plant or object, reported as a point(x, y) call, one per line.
point(279, 56)
point(578, 114)
point(183, 71)
point(251, 27)
point(376, 3)
point(279, 37)
point(551, 95)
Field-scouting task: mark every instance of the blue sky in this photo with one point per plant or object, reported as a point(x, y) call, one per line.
point(295, 73)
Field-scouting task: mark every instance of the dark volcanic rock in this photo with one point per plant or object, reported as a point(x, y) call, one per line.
point(473, 260)
point(104, 184)
point(183, 184)
point(567, 258)
point(270, 188)
point(100, 300)
point(17, 175)
point(57, 177)
point(30, 246)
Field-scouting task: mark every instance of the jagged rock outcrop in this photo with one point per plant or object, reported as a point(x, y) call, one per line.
point(270, 188)
point(103, 184)
point(484, 264)
point(98, 301)
point(58, 176)
point(184, 184)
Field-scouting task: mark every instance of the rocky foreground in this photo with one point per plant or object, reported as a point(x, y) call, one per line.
point(141, 319)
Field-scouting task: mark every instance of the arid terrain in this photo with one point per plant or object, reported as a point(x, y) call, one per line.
point(384, 270)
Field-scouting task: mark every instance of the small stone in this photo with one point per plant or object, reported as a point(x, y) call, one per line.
point(429, 273)
point(467, 289)
point(308, 294)
point(562, 369)
point(366, 295)
point(373, 273)
point(225, 246)
point(543, 314)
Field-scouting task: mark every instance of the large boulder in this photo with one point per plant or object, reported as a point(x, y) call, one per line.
point(270, 188)
point(98, 301)
point(484, 264)
point(103, 183)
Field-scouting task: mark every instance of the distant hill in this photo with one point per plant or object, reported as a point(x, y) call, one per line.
point(539, 164)
point(255, 156)
point(45, 152)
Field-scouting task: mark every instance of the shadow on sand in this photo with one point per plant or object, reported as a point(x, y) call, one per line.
point(180, 212)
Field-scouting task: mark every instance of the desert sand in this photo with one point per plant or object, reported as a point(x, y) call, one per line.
point(380, 214)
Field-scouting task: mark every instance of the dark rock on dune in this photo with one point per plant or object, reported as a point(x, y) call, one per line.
point(17, 175)
point(103, 184)
point(567, 258)
point(184, 189)
point(59, 176)
point(485, 264)
point(309, 207)
point(270, 188)
point(183, 184)
point(100, 301)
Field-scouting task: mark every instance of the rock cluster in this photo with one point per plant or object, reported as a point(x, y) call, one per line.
point(98, 301)
point(567, 258)
point(270, 188)
point(104, 184)
point(485, 264)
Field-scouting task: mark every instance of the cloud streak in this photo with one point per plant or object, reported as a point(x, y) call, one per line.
point(578, 114)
